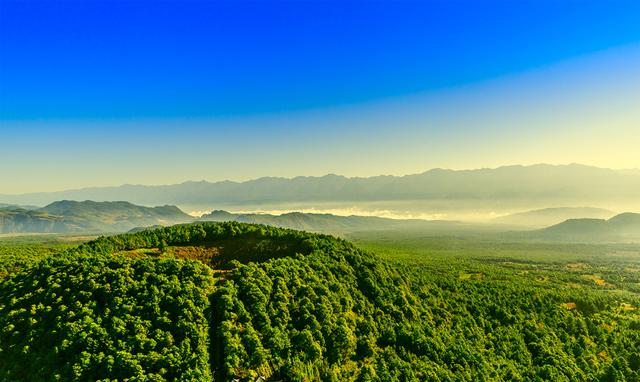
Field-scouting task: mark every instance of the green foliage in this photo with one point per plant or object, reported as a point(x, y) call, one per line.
point(105, 318)
point(293, 306)
point(17, 253)
point(340, 314)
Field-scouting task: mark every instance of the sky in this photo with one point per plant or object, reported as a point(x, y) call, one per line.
point(97, 93)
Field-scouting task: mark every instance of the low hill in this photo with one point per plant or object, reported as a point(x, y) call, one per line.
point(22, 221)
point(626, 223)
point(231, 301)
point(6, 206)
point(550, 216)
point(328, 223)
point(88, 216)
point(620, 228)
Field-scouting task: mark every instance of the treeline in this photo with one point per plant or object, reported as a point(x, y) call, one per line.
point(243, 242)
point(293, 306)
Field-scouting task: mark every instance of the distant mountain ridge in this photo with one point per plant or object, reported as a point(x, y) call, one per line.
point(549, 216)
point(105, 217)
point(542, 184)
point(88, 216)
point(624, 227)
point(6, 206)
point(328, 223)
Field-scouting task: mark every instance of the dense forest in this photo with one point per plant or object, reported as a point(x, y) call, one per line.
point(233, 301)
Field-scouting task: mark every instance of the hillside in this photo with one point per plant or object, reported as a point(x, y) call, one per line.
point(626, 223)
point(550, 216)
point(22, 221)
point(88, 216)
point(230, 301)
point(510, 186)
point(5, 206)
point(620, 228)
point(328, 223)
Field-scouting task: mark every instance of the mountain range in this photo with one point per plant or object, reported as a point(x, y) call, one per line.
point(503, 188)
point(98, 217)
point(624, 227)
point(549, 216)
point(328, 223)
point(106, 217)
point(87, 216)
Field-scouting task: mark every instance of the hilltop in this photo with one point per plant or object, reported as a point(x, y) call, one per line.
point(88, 216)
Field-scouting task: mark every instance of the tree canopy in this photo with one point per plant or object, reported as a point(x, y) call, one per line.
point(293, 306)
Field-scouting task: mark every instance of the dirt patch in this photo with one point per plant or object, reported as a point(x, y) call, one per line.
point(139, 253)
point(596, 279)
point(626, 307)
point(203, 254)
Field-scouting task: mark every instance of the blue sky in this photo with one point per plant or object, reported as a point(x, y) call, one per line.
point(95, 93)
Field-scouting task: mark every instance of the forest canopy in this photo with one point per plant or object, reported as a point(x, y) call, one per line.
point(225, 301)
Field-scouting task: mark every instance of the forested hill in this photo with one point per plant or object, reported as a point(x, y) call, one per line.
point(328, 223)
point(231, 301)
point(88, 216)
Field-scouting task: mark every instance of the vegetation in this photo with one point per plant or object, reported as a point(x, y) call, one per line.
point(105, 318)
point(227, 301)
point(19, 252)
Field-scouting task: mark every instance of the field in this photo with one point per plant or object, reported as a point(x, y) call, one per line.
point(20, 251)
point(612, 269)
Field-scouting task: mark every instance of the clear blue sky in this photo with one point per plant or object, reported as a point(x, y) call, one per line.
point(251, 80)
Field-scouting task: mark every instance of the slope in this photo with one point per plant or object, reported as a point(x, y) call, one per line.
point(293, 306)
point(88, 216)
point(550, 216)
point(624, 227)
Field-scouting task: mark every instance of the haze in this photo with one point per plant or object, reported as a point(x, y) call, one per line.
point(393, 95)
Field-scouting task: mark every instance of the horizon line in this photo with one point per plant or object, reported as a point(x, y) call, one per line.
point(323, 176)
